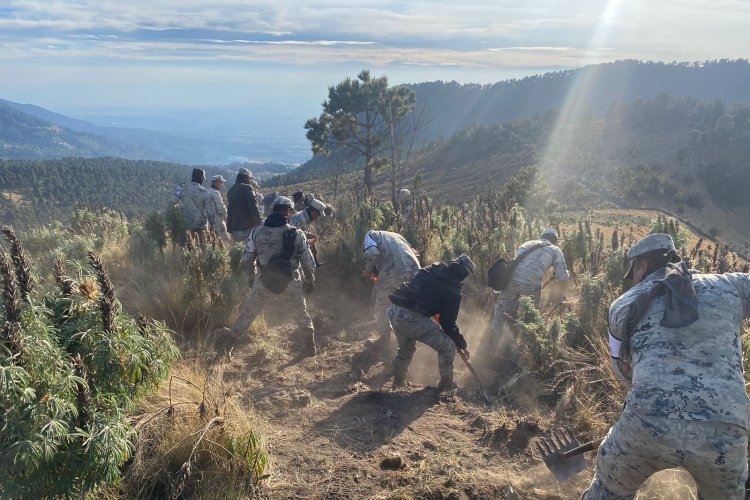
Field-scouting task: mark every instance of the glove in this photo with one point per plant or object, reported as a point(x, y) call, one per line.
point(460, 341)
point(308, 287)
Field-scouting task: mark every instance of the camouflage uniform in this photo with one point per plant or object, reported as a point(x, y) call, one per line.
point(263, 243)
point(687, 406)
point(527, 279)
point(410, 326)
point(405, 203)
point(194, 205)
point(217, 213)
point(301, 220)
point(396, 263)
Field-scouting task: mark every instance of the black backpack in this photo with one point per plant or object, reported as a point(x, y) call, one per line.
point(277, 274)
point(501, 272)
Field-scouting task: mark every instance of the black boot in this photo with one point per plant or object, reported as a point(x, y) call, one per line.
point(399, 380)
point(446, 383)
point(306, 343)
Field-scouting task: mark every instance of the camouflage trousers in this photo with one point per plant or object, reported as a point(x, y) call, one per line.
point(382, 302)
point(258, 297)
point(714, 453)
point(221, 230)
point(411, 327)
point(383, 289)
point(496, 339)
point(241, 236)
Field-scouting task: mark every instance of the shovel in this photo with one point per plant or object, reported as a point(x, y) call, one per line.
point(468, 364)
point(563, 455)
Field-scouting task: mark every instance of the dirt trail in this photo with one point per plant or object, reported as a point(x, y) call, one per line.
point(334, 432)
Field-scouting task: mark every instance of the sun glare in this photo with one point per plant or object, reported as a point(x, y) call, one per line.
point(563, 133)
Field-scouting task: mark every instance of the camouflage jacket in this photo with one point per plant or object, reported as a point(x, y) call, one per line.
point(217, 211)
point(531, 270)
point(195, 204)
point(264, 242)
point(301, 220)
point(392, 255)
point(689, 373)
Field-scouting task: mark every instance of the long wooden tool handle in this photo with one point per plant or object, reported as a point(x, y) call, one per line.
point(474, 372)
point(590, 446)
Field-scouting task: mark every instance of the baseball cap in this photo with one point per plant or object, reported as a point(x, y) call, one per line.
point(319, 206)
point(217, 178)
point(550, 235)
point(284, 201)
point(651, 243)
point(244, 171)
point(465, 261)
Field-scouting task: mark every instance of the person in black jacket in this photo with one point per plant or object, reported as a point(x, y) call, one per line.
point(435, 291)
point(242, 213)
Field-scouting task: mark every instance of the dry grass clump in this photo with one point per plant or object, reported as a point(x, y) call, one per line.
point(592, 397)
point(195, 440)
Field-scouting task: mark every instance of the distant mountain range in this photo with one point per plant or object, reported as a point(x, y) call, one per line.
point(32, 132)
point(450, 107)
point(220, 137)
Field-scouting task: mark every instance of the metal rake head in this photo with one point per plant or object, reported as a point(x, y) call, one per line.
point(553, 451)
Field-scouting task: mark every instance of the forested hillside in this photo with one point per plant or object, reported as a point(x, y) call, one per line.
point(446, 108)
point(450, 107)
point(33, 192)
point(686, 156)
point(24, 136)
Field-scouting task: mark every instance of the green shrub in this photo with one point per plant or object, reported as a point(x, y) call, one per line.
point(71, 365)
point(534, 332)
point(672, 227)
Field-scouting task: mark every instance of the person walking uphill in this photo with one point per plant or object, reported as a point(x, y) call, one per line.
point(217, 212)
point(434, 290)
point(195, 202)
point(243, 213)
point(675, 343)
point(396, 262)
point(279, 251)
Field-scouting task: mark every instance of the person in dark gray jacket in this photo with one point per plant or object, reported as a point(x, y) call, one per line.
point(242, 214)
point(434, 292)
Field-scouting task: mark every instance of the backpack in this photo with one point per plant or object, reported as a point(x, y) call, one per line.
point(277, 274)
point(178, 191)
point(499, 275)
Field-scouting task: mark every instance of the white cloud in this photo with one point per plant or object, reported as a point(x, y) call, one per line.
point(482, 40)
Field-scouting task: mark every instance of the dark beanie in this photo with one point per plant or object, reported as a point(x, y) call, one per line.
point(199, 175)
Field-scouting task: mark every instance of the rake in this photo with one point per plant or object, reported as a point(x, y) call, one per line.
point(562, 454)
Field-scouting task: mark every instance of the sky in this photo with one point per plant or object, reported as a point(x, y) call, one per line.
point(108, 56)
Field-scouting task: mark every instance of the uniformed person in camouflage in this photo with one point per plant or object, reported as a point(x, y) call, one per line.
point(264, 242)
point(425, 309)
point(527, 279)
point(217, 211)
point(395, 262)
point(404, 203)
point(675, 342)
point(305, 218)
point(195, 202)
